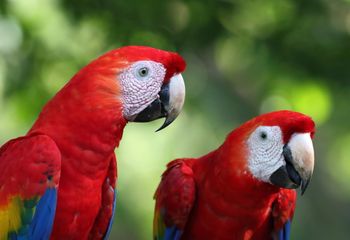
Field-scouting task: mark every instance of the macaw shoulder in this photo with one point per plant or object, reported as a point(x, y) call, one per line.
point(30, 169)
point(174, 200)
point(283, 207)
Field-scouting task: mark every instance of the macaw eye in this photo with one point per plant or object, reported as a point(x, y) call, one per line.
point(263, 135)
point(143, 72)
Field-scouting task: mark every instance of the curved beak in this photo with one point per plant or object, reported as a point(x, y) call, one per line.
point(299, 158)
point(169, 103)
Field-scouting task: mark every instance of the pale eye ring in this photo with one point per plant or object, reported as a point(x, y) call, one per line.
point(143, 72)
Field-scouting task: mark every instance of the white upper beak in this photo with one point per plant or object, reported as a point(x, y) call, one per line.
point(176, 99)
point(176, 95)
point(302, 150)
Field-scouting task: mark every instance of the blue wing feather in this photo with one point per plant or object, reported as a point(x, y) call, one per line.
point(112, 218)
point(172, 233)
point(41, 225)
point(284, 233)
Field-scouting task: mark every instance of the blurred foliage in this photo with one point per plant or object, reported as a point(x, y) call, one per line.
point(244, 57)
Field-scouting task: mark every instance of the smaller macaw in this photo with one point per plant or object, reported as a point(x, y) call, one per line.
point(242, 190)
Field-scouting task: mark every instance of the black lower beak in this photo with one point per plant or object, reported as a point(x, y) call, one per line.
point(168, 104)
point(157, 109)
point(287, 176)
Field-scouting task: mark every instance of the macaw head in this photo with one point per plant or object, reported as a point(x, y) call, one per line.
point(146, 81)
point(278, 148)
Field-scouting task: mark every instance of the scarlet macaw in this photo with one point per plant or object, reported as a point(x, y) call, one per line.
point(242, 190)
point(68, 155)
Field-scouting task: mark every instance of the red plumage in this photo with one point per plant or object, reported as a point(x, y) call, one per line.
point(85, 122)
point(30, 176)
point(216, 196)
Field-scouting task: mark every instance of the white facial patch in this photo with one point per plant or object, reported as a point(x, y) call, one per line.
point(265, 146)
point(140, 84)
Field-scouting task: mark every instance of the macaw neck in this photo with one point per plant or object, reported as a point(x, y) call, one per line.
point(86, 124)
point(229, 197)
point(228, 178)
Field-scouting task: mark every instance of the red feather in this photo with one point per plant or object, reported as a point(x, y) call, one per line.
point(86, 122)
point(229, 202)
point(28, 165)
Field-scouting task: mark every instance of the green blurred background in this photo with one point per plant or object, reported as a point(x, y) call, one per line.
point(244, 58)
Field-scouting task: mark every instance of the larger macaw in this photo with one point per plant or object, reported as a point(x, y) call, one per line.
point(242, 190)
point(68, 157)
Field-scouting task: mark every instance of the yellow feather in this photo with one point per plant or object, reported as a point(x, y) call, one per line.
point(158, 225)
point(10, 217)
